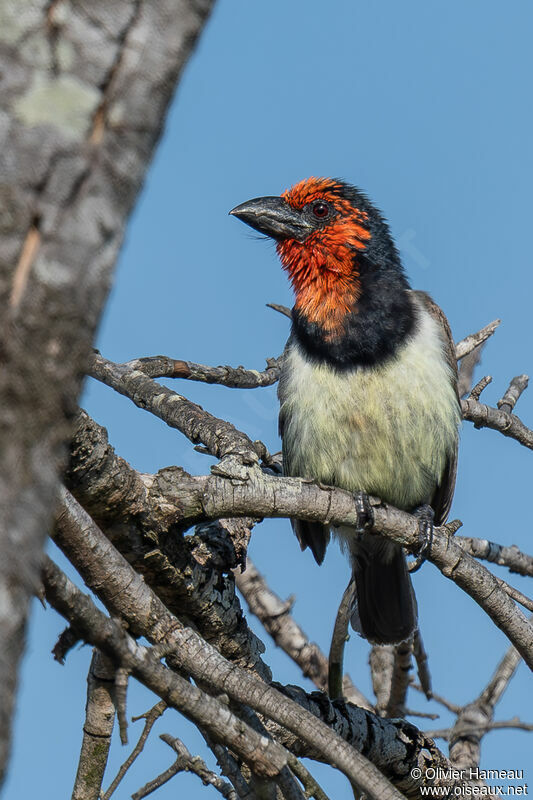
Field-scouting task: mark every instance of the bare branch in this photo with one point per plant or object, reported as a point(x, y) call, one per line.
point(513, 392)
point(121, 690)
point(312, 788)
point(97, 729)
point(486, 417)
point(221, 438)
point(400, 679)
point(500, 680)
point(422, 664)
point(280, 309)
point(381, 662)
point(150, 718)
point(469, 343)
point(249, 492)
point(229, 767)
point(233, 377)
point(507, 556)
point(264, 756)
point(189, 763)
point(338, 642)
point(275, 615)
point(480, 387)
point(157, 782)
point(137, 513)
point(125, 594)
point(516, 595)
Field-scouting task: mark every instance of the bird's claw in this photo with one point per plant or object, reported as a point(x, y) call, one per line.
point(425, 516)
point(365, 512)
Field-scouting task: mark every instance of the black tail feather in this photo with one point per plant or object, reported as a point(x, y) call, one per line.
point(385, 610)
point(313, 535)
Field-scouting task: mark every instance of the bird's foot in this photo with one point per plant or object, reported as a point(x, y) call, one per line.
point(425, 516)
point(365, 512)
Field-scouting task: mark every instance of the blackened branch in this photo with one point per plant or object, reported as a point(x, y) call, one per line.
point(264, 756)
point(126, 595)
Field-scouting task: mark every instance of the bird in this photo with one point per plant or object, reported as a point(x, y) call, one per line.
point(367, 388)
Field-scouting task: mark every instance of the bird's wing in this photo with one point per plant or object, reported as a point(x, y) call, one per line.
point(309, 534)
point(442, 497)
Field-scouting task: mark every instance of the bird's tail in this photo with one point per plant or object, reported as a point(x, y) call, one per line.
point(385, 606)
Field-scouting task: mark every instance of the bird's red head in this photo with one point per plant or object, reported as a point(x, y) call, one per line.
point(352, 302)
point(323, 268)
point(319, 228)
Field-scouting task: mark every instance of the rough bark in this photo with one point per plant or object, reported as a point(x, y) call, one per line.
point(85, 87)
point(97, 729)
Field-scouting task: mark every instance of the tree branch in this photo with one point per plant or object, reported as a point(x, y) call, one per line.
point(238, 491)
point(487, 417)
point(150, 718)
point(275, 616)
point(469, 343)
point(97, 728)
point(507, 556)
point(139, 515)
point(264, 756)
point(232, 377)
point(221, 438)
point(125, 594)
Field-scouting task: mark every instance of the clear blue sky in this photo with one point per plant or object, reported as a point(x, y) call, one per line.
point(425, 106)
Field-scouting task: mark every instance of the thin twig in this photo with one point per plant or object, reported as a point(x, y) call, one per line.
point(121, 691)
point(480, 387)
point(280, 309)
point(312, 788)
point(150, 718)
point(67, 639)
point(157, 782)
point(516, 595)
point(515, 723)
point(422, 664)
point(195, 764)
point(338, 642)
point(469, 343)
point(230, 768)
point(513, 392)
point(453, 707)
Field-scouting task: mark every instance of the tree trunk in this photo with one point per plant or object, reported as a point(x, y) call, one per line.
point(84, 89)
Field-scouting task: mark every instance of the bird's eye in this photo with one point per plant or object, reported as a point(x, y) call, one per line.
point(320, 209)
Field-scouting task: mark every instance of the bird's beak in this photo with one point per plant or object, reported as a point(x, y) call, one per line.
point(274, 217)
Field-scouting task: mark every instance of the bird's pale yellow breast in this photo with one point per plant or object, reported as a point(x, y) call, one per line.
point(388, 430)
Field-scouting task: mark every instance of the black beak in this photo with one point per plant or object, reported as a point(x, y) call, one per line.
point(274, 217)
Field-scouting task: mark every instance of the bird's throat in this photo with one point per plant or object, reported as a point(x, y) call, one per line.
point(326, 282)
